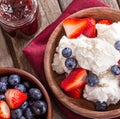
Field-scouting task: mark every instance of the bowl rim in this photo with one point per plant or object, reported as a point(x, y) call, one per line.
point(80, 111)
point(8, 70)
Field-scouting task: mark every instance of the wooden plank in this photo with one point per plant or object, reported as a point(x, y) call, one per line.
point(42, 19)
point(5, 56)
point(64, 4)
point(51, 9)
point(15, 48)
point(118, 3)
point(111, 3)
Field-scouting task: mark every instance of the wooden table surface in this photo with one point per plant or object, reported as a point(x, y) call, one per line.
point(11, 50)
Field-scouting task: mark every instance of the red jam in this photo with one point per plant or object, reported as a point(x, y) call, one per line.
point(19, 16)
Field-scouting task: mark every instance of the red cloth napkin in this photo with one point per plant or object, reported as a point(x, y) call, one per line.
point(34, 52)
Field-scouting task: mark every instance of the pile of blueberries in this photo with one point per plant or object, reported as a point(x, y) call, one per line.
point(35, 107)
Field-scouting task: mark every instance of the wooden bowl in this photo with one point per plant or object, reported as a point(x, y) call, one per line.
point(30, 78)
point(79, 106)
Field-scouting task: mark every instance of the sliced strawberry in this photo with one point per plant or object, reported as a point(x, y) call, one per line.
point(4, 110)
point(74, 27)
point(76, 79)
point(15, 98)
point(75, 93)
point(104, 21)
point(119, 61)
point(90, 30)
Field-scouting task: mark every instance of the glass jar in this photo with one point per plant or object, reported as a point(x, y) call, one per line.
point(19, 17)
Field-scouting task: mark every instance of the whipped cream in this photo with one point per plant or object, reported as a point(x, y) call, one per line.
point(111, 33)
point(107, 90)
point(96, 55)
point(93, 54)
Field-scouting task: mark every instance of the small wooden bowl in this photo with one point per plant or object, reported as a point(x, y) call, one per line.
point(30, 78)
point(79, 106)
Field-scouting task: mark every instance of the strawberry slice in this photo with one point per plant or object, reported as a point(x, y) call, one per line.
point(4, 110)
point(74, 27)
point(104, 21)
point(90, 30)
point(76, 79)
point(15, 98)
point(75, 93)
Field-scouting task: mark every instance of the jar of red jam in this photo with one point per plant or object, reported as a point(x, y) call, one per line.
point(19, 17)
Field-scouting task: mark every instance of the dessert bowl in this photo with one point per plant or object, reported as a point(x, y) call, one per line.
point(79, 106)
point(34, 82)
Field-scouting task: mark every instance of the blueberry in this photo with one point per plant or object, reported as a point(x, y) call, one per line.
point(35, 93)
point(71, 63)
point(28, 113)
point(4, 79)
point(31, 102)
point(67, 52)
point(26, 84)
point(22, 117)
point(92, 80)
point(24, 106)
point(101, 106)
point(2, 97)
point(117, 45)
point(39, 107)
point(20, 87)
point(3, 87)
point(115, 69)
point(16, 114)
point(14, 79)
